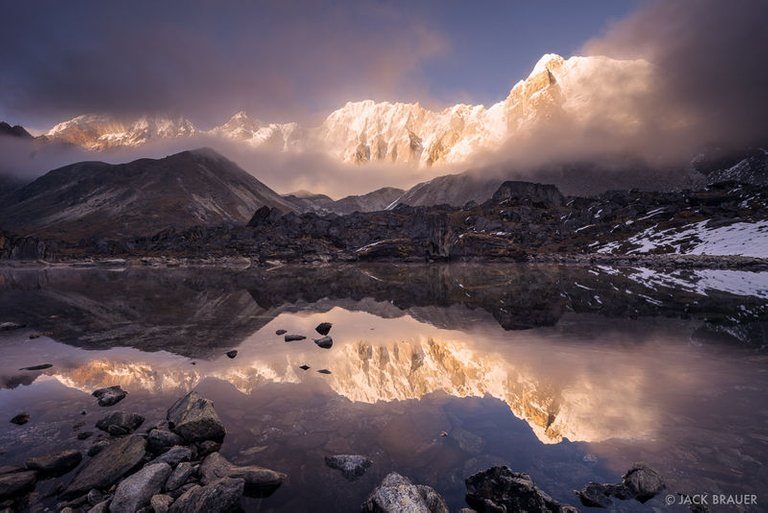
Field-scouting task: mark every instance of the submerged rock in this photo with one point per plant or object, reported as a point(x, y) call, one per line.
point(324, 328)
point(500, 489)
point(16, 484)
point(136, 491)
point(325, 342)
point(259, 481)
point(37, 367)
point(120, 423)
point(194, 419)
point(352, 466)
point(110, 395)
point(108, 466)
point(294, 338)
point(220, 496)
point(397, 494)
point(55, 464)
point(20, 419)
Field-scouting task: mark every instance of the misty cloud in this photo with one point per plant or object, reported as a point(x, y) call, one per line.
point(205, 60)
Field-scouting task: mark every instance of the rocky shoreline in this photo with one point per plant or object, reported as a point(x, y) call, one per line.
point(175, 467)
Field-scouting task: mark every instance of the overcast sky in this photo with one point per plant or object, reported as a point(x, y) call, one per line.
point(279, 60)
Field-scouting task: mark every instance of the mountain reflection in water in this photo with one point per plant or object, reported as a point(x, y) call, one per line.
point(633, 362)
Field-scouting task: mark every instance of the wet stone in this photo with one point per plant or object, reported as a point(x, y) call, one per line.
point(294, 338)
point(351, 466)
point(325, 342)
point(120, 423)
point(194, 418)
point(55, 464)
point(110, 395)
point(324, 328)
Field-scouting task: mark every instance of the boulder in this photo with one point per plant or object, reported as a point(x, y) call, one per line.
point(17, 483)
point(220, 496)
point(136, 491)
point(194, 419)
point(110, 395)
point(120, 423)
point(160, 440)
point(161, 503)
point(108, 466)
point(397, 494)
point(351, 466)
point(643, 482)
point(174, 456)
point(324, 342)
point(179, 476)
point(324, 328)
point(55, 464)
point(259, 481)
point(500, 489)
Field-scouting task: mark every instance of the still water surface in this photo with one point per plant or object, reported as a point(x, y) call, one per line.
point(569, 374)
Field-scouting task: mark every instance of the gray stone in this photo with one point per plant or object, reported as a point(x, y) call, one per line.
point(110, 395)
point(101, 507)
point(119, 423)
point(352, 466)
point(643, 482)
point(135, 491)
point(97, 447)
point(161, 503)
point(108, 466)
point(259, 481)
point(220, 496)
point(179, 476)
point(55, 464)
point(194, 419)
point(397, 494)
point(174, 455)
point(17, 483)
point(500, 489)
point(160, 440)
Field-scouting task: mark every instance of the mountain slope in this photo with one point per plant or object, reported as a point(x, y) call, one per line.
point(373, 201)
point(14, 131)
point(142, 197)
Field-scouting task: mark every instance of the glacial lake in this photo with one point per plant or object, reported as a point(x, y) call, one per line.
point(570, 374)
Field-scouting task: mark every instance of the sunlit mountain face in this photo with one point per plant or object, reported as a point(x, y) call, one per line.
point(613, 371)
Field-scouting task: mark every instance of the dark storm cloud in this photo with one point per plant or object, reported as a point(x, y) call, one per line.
point(204, 59)
point(710, 58)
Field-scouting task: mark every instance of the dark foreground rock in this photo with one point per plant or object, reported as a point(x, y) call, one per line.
point(259, 481)
point(136, 491)
point(194, 419)
point(120, 423)
point(232, 354)
point(397, 494)
point(16, 484)
point(55, 464)
point(220, 496)
point(294, 338)
point(352, 466)
point(498, 489)
point(160, 440)
point(324, 342)
point(108, 466)
point(324, 328)
point(641, 483)
point(20, 419)
point(110, 395)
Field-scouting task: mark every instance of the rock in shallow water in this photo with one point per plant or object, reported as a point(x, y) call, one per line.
point(220, 496)
point(55, 464)
point(232, 353)
point(325, 342)
point(643, 482)
point(108, 466)
point(37, 367)
point(20, 419)
point(397, 494)
point(110, 395)
point(294, 338)
point(194, 419)
point(352, 466)
point(324, 328)
point(136, 491)
point(500, 489)
point(160, 440)
point(17, 483)
point(120, 423)
point(259, 481)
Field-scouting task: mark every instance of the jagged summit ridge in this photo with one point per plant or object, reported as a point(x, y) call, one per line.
point(577, 90)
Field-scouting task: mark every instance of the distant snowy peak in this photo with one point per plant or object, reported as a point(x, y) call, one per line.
point(578, 90)
point(101, 132)
point(240, 127)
